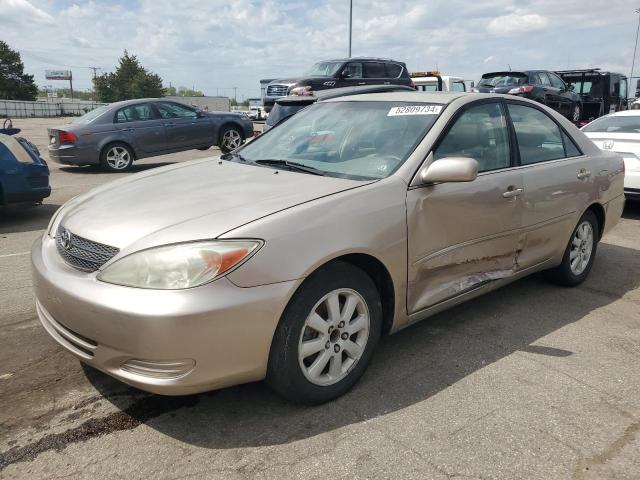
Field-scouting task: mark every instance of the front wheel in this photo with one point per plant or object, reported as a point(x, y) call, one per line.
point(230, 139)
point(326, 335)
point(580, 253)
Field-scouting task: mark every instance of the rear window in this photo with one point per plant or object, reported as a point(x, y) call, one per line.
point(374, 70)
point(282, 111)
point(503, 80)
point(393, 70)
point(615, 124)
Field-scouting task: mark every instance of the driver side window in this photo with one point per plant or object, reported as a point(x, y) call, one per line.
point(480, 133)
point(174, 110)
point(352, 70)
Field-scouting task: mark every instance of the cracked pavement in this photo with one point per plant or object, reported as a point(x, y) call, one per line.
point(531, 381)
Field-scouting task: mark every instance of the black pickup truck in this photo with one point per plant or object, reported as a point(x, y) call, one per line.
point(601, 92)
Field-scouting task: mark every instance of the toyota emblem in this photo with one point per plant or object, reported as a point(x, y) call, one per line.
point(65, 239)
point(607, 144)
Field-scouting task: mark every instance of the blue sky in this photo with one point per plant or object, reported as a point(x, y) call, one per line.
point(217, 44)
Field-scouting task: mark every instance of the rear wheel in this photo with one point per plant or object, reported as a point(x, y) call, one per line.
point(116, 157)
point(230, 139)
point(326, 335)
point(580, 253)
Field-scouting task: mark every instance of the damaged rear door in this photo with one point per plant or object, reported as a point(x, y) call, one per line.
point(462, 235)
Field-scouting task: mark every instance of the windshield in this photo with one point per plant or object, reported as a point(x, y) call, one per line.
point(503, 80)
point(281, 111)
point(323, 69)
point(357, 140)
point(615, 124)
point(92, 115)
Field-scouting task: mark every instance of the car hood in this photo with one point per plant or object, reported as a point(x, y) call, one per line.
point(196, 200)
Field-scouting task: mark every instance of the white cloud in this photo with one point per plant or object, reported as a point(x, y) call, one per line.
point(517, 23)
point(218, 44)
point(23, 9)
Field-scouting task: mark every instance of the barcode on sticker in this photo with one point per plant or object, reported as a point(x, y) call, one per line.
point(415, 110)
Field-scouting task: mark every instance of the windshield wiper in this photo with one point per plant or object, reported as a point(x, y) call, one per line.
point(230, 155)
point(293, 166)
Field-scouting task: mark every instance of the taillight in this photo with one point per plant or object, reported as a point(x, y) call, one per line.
point(66, 137)
point(523, 89)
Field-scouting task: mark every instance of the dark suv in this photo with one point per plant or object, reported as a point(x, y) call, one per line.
point(601, 92)
point(345, 72)
point(539, 85)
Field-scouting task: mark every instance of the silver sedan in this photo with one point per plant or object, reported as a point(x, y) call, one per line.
point(288, 259)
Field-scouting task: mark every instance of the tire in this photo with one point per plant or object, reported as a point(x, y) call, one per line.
point(116, 157)
point(309, 379)
point(565, 274)
point(230, 139)
point(576, 113)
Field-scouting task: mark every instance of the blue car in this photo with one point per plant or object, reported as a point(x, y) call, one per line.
point(24, 176)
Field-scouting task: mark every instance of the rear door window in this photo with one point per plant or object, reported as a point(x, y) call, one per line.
point(556, 82)
point(539, 137)
point(135, 113)
point(393, 70)
point(480, 133)
point(544, 79)
point(374, 70)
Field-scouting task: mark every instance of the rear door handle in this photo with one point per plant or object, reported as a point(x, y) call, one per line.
point(512, 192)
point(362, 83)
point(582, 174)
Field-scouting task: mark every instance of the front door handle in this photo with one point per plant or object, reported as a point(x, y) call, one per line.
point(512, 192)
point(362, 83)
point(582, 174)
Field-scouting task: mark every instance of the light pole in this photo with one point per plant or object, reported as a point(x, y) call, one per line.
point(635, 47)
point(350, 23)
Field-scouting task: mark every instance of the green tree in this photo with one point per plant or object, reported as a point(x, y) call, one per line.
point(130, 80)
point(14, 83)
point(169, 91)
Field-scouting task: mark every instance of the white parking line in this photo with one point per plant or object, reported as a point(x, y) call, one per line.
point(14, 254)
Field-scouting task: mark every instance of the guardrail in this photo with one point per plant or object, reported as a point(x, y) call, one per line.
point(23, 109)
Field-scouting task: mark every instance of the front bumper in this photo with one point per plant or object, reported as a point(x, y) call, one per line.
point(188, 341)
point(632, 184)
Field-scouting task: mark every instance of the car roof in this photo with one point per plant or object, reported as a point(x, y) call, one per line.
point(422, 97)
point(343, 91)
point(625, 113)
point(356, 59)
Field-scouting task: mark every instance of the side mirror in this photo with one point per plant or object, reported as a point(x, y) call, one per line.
point(345, 74)
point(199, 114)
point(451, 169)
point(571, 87)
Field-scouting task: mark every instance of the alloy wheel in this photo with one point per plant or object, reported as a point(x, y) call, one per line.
point(231, 139)
point(334, 337)
point(581, 248)
point(118, 158)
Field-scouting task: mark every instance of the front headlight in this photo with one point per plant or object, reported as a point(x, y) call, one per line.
point(182, 265)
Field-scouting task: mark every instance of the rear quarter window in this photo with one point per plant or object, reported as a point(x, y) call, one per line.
point(393, 70)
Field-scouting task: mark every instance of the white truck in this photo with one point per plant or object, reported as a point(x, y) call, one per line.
point(435, 82)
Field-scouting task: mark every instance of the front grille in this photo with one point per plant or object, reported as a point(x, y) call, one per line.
point(81, 253)
point(277, 90)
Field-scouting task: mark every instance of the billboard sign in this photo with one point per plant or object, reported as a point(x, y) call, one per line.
point(57, 74)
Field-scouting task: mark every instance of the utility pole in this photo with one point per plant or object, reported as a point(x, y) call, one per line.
point(633, 61)
point(235, 94)
point(350, 24)
point(95, 69)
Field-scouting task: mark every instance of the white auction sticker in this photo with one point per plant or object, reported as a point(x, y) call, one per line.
point(415, 110)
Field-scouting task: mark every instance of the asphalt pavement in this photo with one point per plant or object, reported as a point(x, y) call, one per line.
point(532, 381)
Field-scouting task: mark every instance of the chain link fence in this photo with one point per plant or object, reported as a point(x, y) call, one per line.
point(22, 109)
